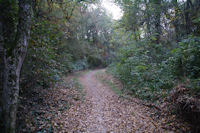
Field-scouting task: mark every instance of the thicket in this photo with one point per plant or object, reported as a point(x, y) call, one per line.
point(156, 53)
point(151, 71)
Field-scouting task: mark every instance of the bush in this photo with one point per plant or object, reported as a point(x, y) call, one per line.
point(94, 61)
point(143, 71)
point(187, 58)
point(80, 65)
point(150, 70)
point(44, 65)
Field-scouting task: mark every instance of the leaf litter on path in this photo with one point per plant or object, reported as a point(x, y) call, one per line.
point(64, 110)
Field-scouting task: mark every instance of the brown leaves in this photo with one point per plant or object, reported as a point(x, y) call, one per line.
point(63, 109)
point(50, 106)
point(161, 120)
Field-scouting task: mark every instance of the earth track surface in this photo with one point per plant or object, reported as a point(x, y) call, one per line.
point(86, 102)
point(107, 112)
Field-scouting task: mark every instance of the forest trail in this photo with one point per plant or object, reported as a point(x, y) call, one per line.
point(107, 112)
point(86, 103)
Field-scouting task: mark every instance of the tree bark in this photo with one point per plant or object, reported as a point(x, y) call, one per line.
point(2, 55)
point(157, 20)
point(176, 21)
point(11, 66)
point(147, 16)
point(187, 11)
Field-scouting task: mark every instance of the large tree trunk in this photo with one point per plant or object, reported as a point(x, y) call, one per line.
point(11, 66)
point(2, 53)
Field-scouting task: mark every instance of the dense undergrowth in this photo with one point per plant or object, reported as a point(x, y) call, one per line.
point(152, 71)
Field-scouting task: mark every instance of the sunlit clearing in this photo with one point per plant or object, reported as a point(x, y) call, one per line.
point(112, 8)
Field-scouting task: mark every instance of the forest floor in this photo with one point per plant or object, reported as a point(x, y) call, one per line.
point(97, 106)
point(108, 112)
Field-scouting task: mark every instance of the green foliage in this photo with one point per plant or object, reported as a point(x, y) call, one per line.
point(65, 39)
point(185, 62)
point(42, 65)
point(143, 73)
point(153, 56)
point(187, 58)
point(146, 44)
point(94, 61)
point(150, 73)
point(80, 65)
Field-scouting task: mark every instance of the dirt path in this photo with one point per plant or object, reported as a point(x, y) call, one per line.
point(108, 113)
point(85, 103)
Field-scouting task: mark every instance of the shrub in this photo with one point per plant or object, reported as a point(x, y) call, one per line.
point(94, 61)
point(187, 58)
point(143, 70)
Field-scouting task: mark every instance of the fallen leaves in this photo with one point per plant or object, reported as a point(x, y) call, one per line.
point(43, 109)
point(96, 108)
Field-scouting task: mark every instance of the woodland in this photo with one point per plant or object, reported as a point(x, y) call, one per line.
point(152, 51)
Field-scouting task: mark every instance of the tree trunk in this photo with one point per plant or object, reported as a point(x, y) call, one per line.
point(2, 53)
point(176, 21)
point(147, 12)
point(157, 20)
point(188, 22)
point(11, 66)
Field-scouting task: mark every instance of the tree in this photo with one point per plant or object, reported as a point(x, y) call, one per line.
point(157, 10)
point(12, 54)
